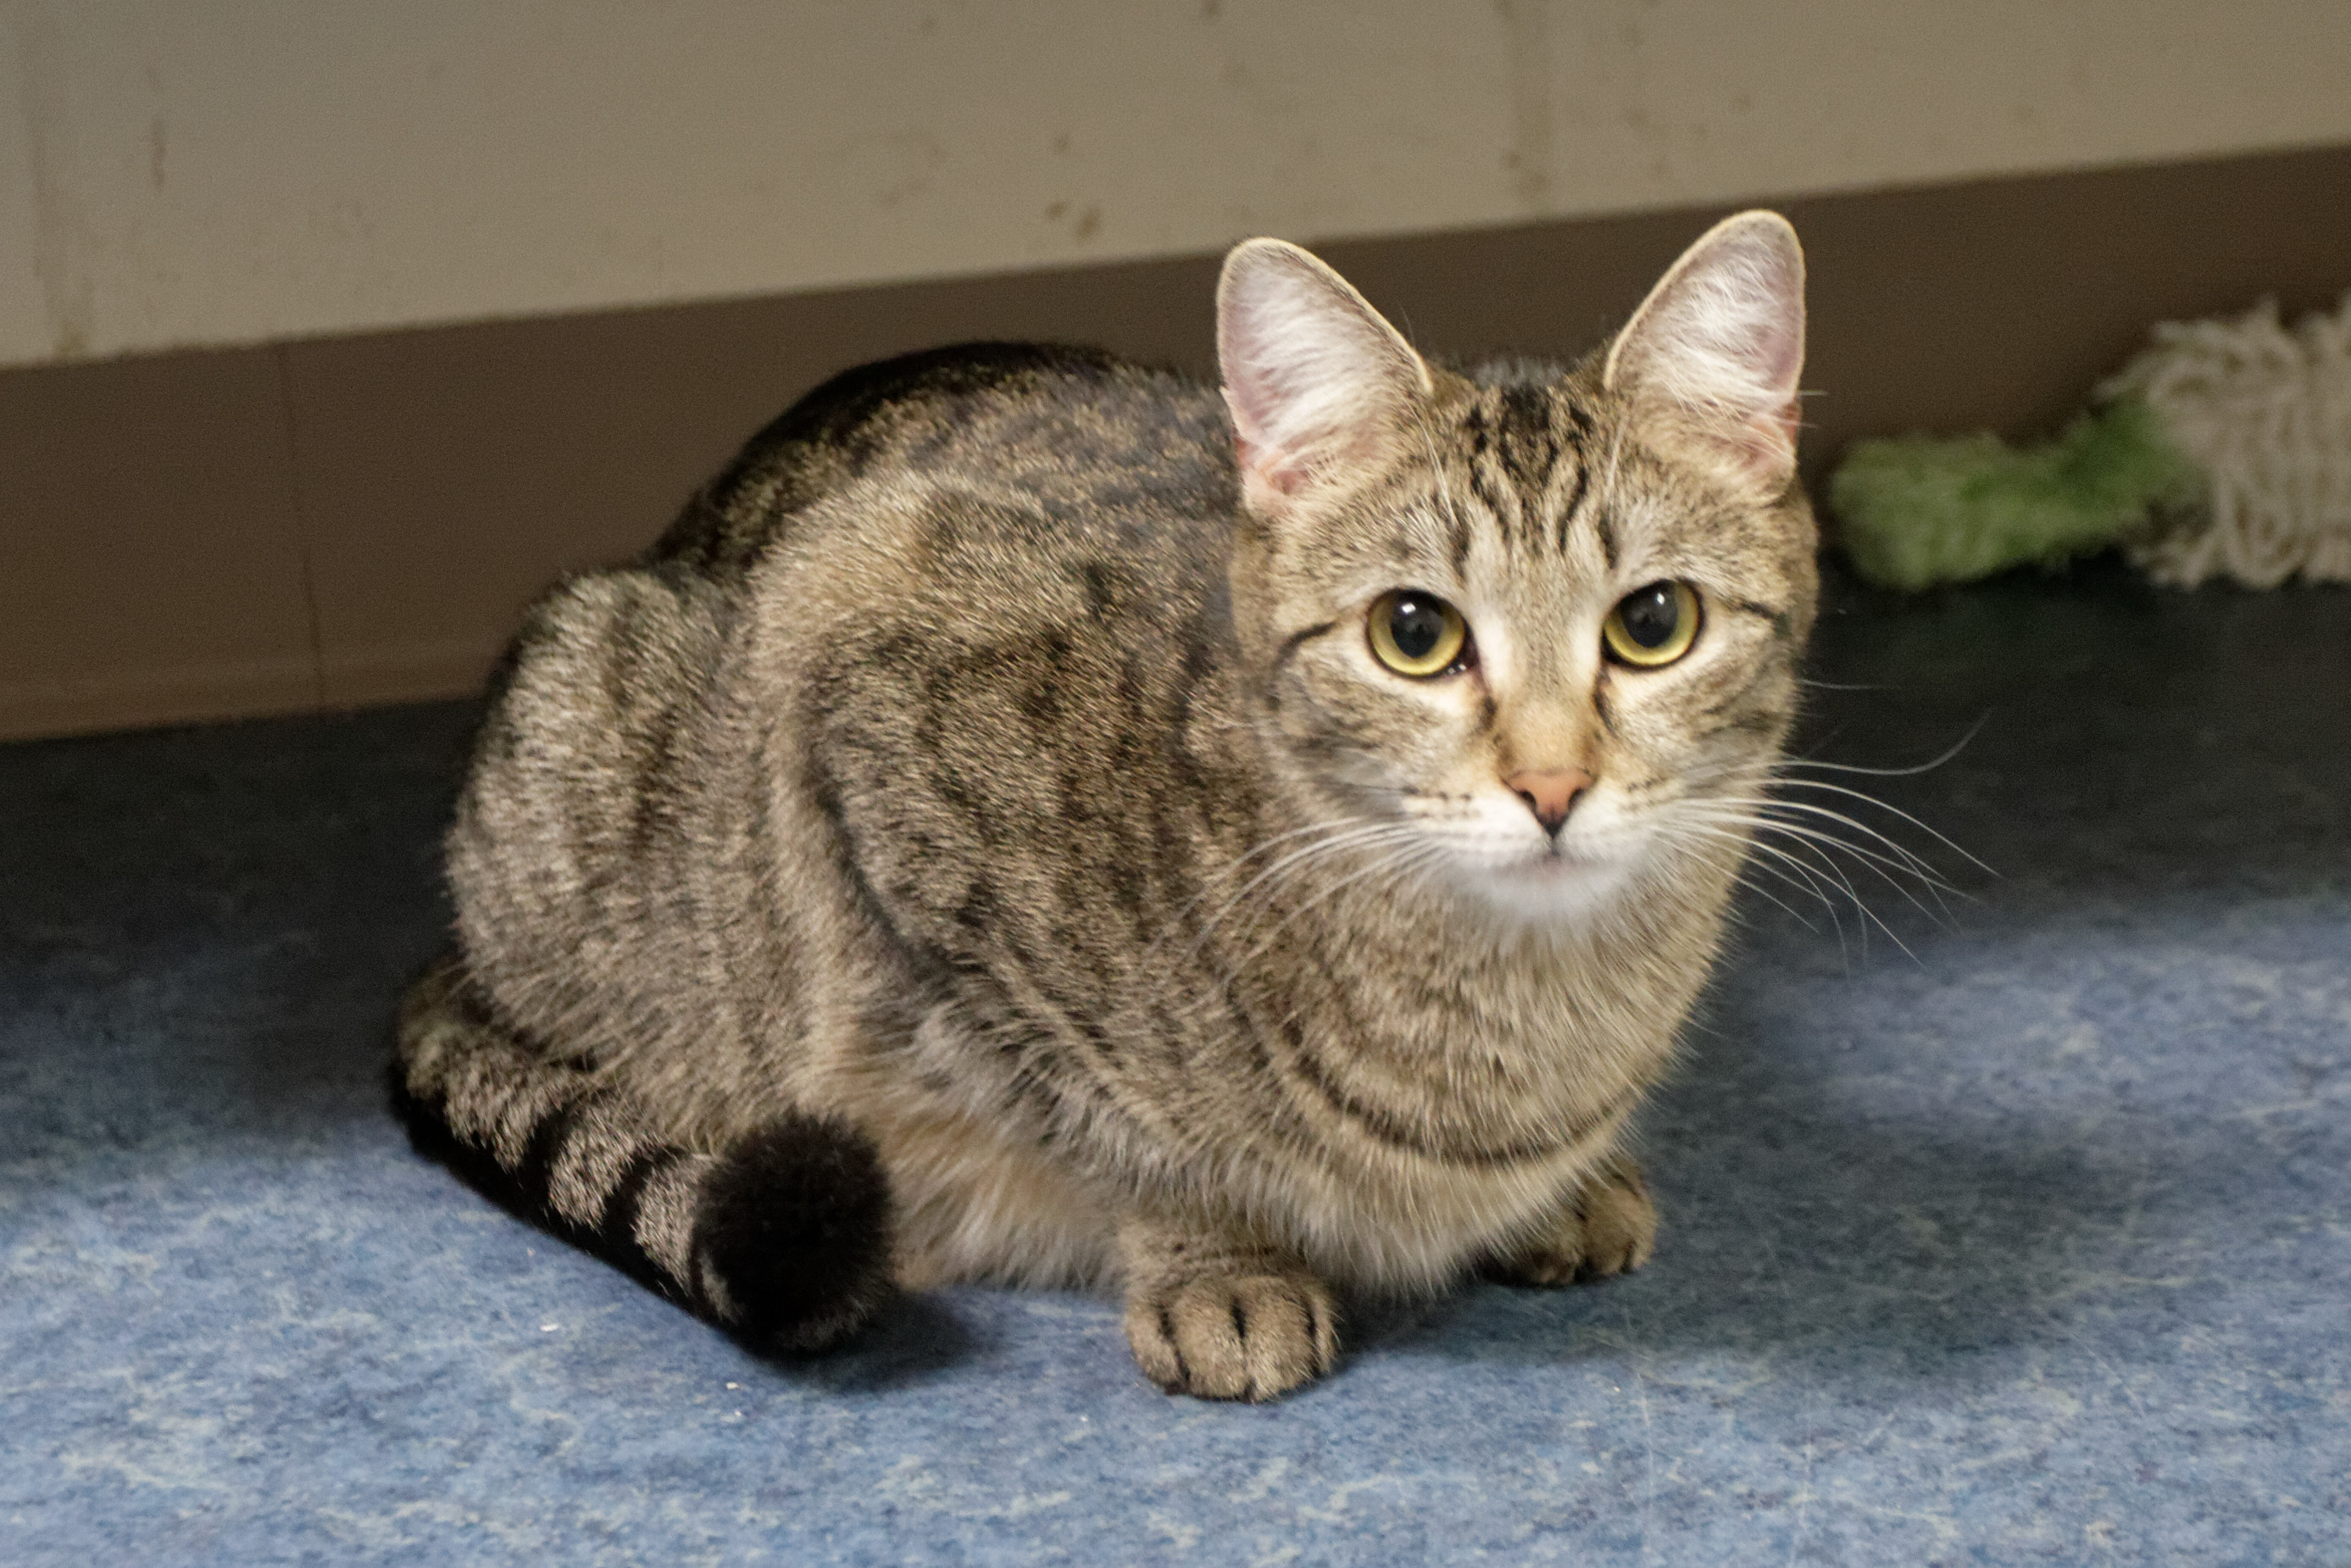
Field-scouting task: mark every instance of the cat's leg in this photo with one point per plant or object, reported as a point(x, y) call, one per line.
point(1608, 1227)
point(782, 1237)
point(1213, 1312)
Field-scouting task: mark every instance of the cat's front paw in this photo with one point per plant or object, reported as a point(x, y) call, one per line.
point(1610, 1228)
point(1233, 1336)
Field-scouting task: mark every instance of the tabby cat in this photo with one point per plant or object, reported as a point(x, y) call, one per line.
point(1034, 818)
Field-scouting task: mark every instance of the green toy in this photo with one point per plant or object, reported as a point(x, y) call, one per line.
point(2222, 450)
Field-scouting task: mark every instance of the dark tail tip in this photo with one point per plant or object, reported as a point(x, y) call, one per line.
point(794, 1228)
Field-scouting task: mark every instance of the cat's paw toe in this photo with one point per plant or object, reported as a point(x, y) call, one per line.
point(1249, 1336)
point(1611, 1229)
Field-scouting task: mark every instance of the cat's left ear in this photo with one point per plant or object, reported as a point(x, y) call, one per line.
point(1717, 346)
point(1316, 379)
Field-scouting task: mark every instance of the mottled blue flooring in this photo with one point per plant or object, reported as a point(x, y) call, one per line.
point(2030, 1244)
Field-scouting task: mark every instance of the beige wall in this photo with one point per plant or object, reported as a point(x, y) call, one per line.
point(213, 172)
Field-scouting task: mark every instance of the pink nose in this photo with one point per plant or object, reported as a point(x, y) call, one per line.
point(1549, 793)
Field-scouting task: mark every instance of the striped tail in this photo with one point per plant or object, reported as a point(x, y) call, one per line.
point(783, 1238)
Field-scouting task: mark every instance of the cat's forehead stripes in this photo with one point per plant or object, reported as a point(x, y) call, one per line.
point(1529, 451)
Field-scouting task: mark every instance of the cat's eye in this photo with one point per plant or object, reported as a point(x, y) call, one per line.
point(1653, 625)
point(1417, 633)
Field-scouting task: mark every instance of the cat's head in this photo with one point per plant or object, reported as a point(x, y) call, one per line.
point(1534, 629)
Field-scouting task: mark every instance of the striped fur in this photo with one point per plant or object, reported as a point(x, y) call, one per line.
point(978, 842)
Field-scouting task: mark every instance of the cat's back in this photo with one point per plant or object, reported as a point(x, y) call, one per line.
point(940, 483)
point(1018, 554)
point(1042, 528)
point(1078, 433)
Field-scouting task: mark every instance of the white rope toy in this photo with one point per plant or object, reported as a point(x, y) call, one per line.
point(2265, 412)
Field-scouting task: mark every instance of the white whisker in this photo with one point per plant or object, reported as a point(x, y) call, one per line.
point(1805, 885)
point(1896, 810)
point(1794, 874)
point(1411, 854)
point(1373, 833)
point(1900, 856)
point(1880, 866)
point(1956, 748)
point(1823, 865)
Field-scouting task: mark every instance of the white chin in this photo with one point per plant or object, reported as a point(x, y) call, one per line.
point(1541, 884)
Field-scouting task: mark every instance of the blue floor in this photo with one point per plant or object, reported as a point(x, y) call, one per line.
point(2031, 1243)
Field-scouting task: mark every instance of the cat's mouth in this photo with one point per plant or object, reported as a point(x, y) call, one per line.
point(1546, 878)
point(1564, 857)
point(1555, 883)
point(1492, 850)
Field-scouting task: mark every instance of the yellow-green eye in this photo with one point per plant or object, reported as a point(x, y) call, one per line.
point(1417, 633)
point(1653, 625)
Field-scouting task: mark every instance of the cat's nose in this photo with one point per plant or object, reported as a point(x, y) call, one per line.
point(1549, 793)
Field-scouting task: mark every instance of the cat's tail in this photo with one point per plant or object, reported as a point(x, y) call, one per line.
point(782, 1237)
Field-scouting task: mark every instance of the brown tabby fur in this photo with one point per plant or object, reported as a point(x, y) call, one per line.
point(960, 786)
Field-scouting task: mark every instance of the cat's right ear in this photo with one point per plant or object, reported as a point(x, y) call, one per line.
point(1315, 378)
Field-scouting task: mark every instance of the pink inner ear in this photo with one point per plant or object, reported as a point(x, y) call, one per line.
point(1263, 465)
point(1770, 447)
point(1723, 336)
point(1313, 374)
point(1781, 367)
point(1761, 441)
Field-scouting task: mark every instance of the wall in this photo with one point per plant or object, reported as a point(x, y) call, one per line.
point(331, 332)
point(360, 519)
point(177, 173)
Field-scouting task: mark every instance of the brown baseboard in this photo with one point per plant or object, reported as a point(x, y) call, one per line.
point(408, 672)
point(361, 519)
point(186, 694)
